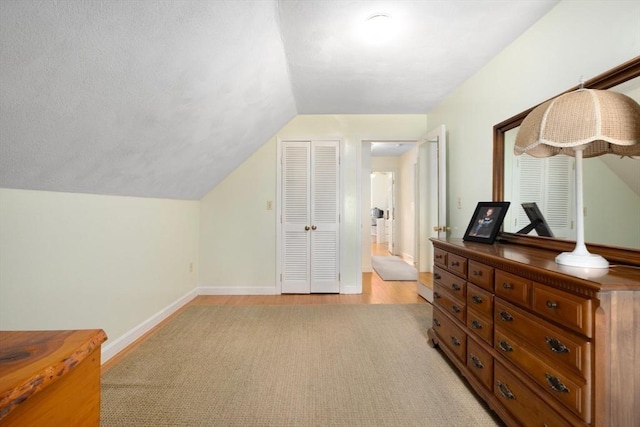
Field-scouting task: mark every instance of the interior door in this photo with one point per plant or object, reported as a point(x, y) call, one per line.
point(391, 221)
point(295, 217)
point(310, 217)
point(325, 217)
point(431, 196)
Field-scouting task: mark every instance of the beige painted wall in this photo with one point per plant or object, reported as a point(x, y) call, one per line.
point(76, 261)
point(575, 39)
point(237, 247)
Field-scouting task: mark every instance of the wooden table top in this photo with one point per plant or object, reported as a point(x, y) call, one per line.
point(30, 361)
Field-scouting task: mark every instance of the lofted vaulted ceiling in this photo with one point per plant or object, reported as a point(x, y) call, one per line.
point(164, 98)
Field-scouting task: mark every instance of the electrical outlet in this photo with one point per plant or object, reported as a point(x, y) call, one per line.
point(190, 267)
point(269, 205)
point(459, 202)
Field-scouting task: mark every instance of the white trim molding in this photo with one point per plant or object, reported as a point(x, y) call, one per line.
point(220, 290)
point(122, 342)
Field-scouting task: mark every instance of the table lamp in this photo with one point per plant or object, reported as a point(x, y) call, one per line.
point(583, 123)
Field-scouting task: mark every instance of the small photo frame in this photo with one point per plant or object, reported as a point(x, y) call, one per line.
point(486, 222)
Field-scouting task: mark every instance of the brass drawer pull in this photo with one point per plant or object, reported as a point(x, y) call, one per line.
point(476, 325)
point(504, 390)
point(552, 305)
point(455, 287)
point(439, 257)
point(437, 276)
point(436, 323)
point(505, 317)
point(455, 341)
point(555, 345)
point(507, 285)
point(455, 264)
point(556, 384)
point(504, 346)
point(476, 299)
point(436, 295)
point(455, 309)
point(476, 273)
point(476, 362)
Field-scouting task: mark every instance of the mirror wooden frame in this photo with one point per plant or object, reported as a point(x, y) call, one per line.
point(620, 74)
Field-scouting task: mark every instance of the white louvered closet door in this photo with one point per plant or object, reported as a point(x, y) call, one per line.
point(324, 217)
point(310, 229)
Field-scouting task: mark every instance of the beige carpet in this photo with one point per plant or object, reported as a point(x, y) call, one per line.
point(298, 365)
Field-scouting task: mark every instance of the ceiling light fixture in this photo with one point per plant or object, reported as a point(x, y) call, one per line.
point(378, 28)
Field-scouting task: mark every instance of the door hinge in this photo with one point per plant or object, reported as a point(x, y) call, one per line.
point(281, 277)
point(339, 277)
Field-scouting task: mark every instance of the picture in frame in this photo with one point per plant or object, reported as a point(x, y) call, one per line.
point(486, 222)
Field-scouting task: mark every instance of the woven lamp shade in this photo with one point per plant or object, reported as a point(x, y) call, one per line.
point(602, 121)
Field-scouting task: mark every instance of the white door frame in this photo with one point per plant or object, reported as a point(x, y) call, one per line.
point(435, 140)
point(363, 160)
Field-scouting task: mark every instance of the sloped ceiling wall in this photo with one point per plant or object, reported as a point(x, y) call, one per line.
point(164, 98)
point(156, 99)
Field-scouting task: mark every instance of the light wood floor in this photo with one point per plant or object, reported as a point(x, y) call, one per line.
point(374, 291)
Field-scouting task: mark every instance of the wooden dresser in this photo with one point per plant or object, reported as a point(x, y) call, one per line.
point(542, 344)
point(50, 378)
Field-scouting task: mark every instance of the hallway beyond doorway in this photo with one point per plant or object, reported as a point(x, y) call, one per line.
point(380, 249)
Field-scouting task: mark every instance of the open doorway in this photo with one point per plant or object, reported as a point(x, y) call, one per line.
point(389, 203)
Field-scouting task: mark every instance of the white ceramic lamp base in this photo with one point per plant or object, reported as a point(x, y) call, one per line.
point(587, 260)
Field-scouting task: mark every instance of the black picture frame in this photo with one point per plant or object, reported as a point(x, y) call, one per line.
point(486, 222)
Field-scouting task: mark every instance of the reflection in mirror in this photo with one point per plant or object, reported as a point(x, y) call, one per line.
point(611, 191)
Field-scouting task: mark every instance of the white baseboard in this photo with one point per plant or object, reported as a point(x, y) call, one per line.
point(218, 290)
point(407, 258)
point(115, 347)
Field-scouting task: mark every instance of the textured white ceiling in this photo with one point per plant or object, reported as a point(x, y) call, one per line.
point(164, 98)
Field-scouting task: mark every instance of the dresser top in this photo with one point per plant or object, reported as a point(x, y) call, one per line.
point(32, 360)
point(539, 264)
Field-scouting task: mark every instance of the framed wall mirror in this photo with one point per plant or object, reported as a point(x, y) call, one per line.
point(612, 223)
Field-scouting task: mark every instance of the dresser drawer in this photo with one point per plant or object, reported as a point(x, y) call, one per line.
point(564, 308)
point(523, 403)
point(512, 288)
point(480, 300)
point(450, 335)
point(453, 284)
point(447, 303)
point(554, 344)
point(440, 257)
point(573, 392)
point(457, 264)
point(481, 275)
point(480, 325)
point(480, 363)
